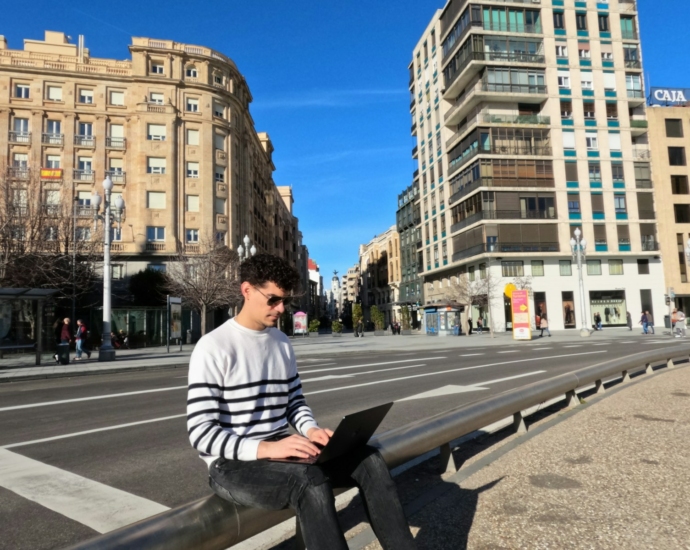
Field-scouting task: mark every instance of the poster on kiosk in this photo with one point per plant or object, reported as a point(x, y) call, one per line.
point(520, 311)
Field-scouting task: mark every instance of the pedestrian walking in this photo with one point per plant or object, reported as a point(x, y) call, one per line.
point(650, 322)
point(246, 369)
point(678, 322)
point(597, 321)
point(66, 332)
point(469, 326)
point(628, 318)
point(544, 326)
point(643, 322)
point(480, 326)
point(80, 338)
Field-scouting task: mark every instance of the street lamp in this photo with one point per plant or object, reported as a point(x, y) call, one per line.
point(106, 352)
point(578, 246)
point(244, 252)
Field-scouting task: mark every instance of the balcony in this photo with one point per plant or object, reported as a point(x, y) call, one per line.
point(647, 215)
point(635, 97)
point(490, 91)
point(18, 172)
point(84, 211)
point(85, 141)
point(641, 153)
point(117, 176)
point(53, 139)
point(115, 143)
point(643, 184)
point(627, 6)
point(83, 175)
point(499, 119)
point(413, 130)
point(155, 247)
point(458, 192)
point(476, 61)
point(505, 248)
point(649, 245)
point(504, 215)
point(19, 137)
point(415, 150)
point(509, 149)
point(51, 210)
point(633, 64)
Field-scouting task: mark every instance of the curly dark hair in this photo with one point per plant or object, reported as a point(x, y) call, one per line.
point(264, 268)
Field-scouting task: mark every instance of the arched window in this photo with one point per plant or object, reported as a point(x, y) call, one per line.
point(190, 71)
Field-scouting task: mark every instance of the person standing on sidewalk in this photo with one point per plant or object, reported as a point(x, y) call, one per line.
point(643, 322)
point(678, 322)
point(650, 322)
point(65, 333)
point(469, 326)
point(480, 326)
point(544, 326)
point(628, 318)
point(80, 338)
point(245, 393)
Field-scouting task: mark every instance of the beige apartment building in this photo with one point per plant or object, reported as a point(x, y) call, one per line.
point(669, 136)
point(171, 127)
point(380, 275)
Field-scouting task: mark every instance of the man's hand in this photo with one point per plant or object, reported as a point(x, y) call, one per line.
point(319, 435)
point(293, 446)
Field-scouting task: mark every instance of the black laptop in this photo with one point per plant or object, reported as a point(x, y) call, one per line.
point(353, 431)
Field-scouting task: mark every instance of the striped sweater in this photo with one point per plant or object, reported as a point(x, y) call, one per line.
point(243, 388)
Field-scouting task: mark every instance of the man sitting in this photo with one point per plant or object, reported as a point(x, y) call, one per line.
point(245, 391)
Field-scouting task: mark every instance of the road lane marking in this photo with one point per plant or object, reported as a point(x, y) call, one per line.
point(361, 373)
point(453, 370)
point(329, 377)
point(509, 351)
point(574, 346)
point(98, 506)
point(471, 354)
point(540, 349)
point(96, 430)
point(451, 390)
point(319, 365)
point(374, 364)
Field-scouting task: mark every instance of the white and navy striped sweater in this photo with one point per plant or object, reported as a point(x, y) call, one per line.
point(243, 388)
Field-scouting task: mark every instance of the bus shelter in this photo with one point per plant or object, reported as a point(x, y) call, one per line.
point(442, 319)
point(23, 326)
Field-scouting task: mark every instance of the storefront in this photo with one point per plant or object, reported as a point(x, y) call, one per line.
point(610, 305)
point(442, 320)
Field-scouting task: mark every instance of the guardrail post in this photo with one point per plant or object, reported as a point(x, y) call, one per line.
point(299, 539)
point(648, 369)
point(519, 423)
point(625, 377)
point(447, 460)
point(571, 399)
point(599, 388)
point(669, 363)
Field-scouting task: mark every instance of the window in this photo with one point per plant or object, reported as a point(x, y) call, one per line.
point(561, 50)
point(219, 142)
point(117, 98)
point(586, 80)
point(470, 273)
point(581, 21)
point(597, 203)
point(219, 174)
point(20, 160)
point(676, 156)
point(573, 203)
point(568, 140)
point(192, 169)
point(643, 267)
point(154, 233)
point(628, 27)
point(558, 20)
point(156, 98)
point(219, 206)
point(610, 83)
point(218, 110)
point(21, 91)
point(563, 78)
point(679, 185)
point(633, 85)
point(619, 203)
point(614, 142)
point(612, 111)
point(83, 233)
point(192, 105)
point(191, 72)
point(566, 109)
point(606, 51)
point(617, 172)
point(583, 51)
point(589, 111)
point(513, 269)
point(155, 165)
point(86, 96)
point(571, 171)
point(192, 203)
point(85, 164)
point(221, 237)
point(155, 132)
point(157, 68)
point(85, 129)
point(615, 267)
point(537, 268)
point(117, 271)
point(591, 140)
point(192, 137)
point(53, 127)
point(217, 78)
point(50, 233)
point(682, 213)
point(52, 161)
point(156, 267)
point(603, 22)
point(593, 267)
point(192, 235)
point(84, 198)
point(594, 171)
point(674, 128)
point(54, 93)
point(155, 200)
point(565, 267)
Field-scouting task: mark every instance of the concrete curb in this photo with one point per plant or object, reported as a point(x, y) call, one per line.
point(115, 370)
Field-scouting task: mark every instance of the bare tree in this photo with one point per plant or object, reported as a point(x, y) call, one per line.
point(205, 277)
point(523, 282)
point(481, 292)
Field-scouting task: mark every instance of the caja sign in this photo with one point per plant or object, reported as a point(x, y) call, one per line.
point(669, 96)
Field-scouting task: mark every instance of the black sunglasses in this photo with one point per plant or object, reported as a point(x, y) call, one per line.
point(275, 300)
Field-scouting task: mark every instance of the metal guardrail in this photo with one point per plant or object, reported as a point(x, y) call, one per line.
point(211, 523)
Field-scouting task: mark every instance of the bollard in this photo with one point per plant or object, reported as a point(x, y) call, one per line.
point(648, 369)
point(600, 386)
point(519, 423)
point(669, 363)
point(626, 377)
point(447, 460)
point(571, 399)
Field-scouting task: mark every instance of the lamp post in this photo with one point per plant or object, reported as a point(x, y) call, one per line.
point(106, 352)
point(244, 252)
point(578, 246)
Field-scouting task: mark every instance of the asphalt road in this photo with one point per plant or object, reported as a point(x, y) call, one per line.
point(114, 442)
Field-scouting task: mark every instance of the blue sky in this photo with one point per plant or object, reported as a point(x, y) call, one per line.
point(329, 82)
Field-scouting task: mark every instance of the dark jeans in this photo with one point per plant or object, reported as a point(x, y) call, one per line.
point(308, 489)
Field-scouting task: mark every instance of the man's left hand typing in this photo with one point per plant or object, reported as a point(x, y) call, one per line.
point(319, 435)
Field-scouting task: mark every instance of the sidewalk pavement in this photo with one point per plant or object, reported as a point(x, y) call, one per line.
point(22, 367)
point(610, 474)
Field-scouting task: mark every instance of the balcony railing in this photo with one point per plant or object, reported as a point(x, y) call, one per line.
point(489, 118)
point(506, 26)
point(628, 35)
point(155, 247)
point(638, 123)
point(84, 211)
point(116, 176)
point(53, 139)
point(19, 137)
point(458, 192)
point(115, 143)
point(502, 57)
point(83, 175)
point(635, 94)
point(510, 149)
point(643, 184)
point(633, 64)
point(483, 86)
point(505, 248)
point(85, 141)
point(650, 246)
point(641, 153)
point(504, 215)
point(18, 172)
point(647, 214)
